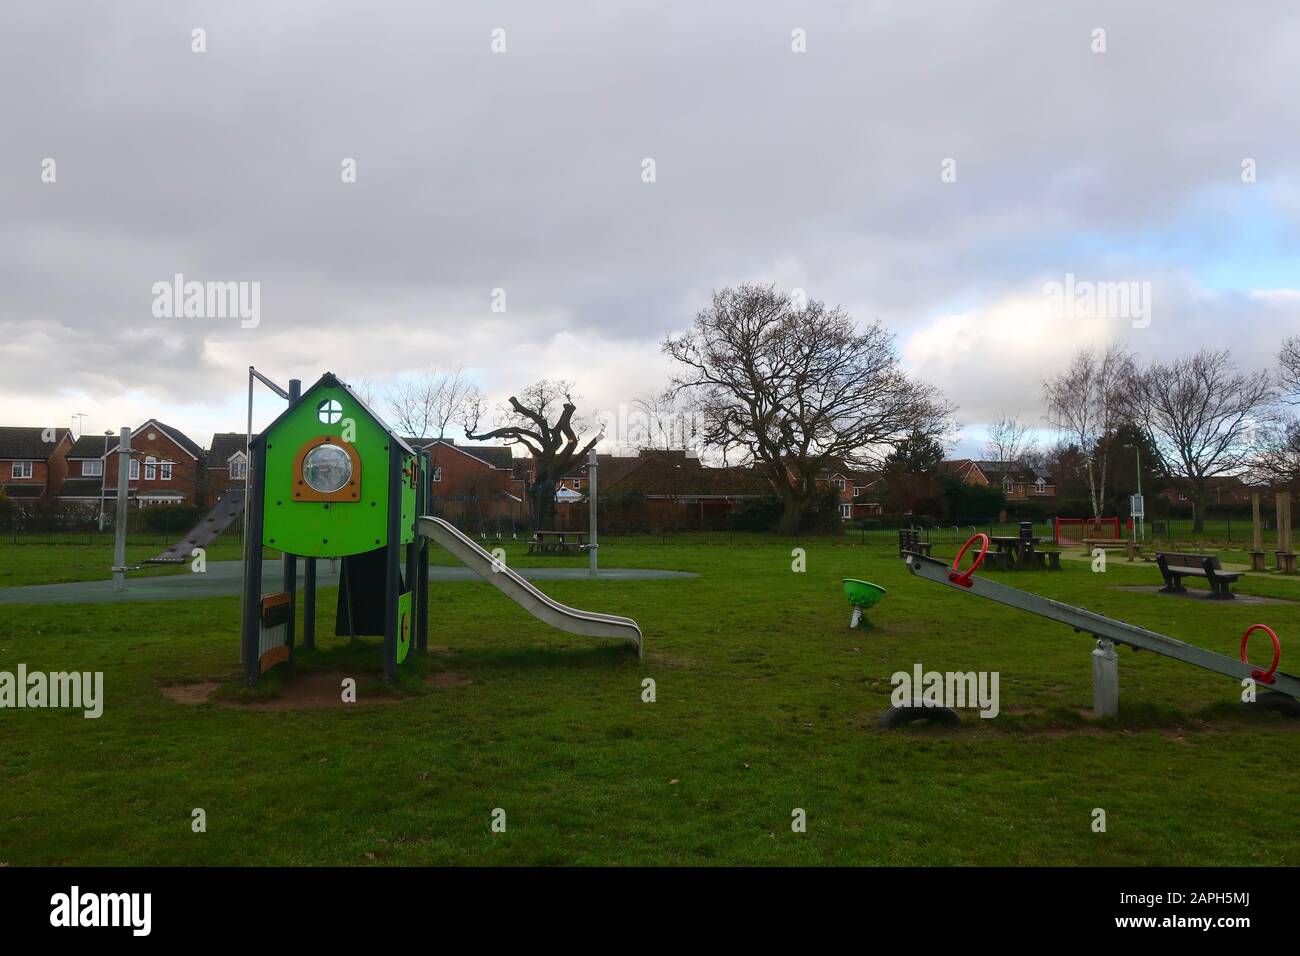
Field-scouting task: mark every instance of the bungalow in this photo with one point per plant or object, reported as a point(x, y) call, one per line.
point(33, 460)
point(677, 486)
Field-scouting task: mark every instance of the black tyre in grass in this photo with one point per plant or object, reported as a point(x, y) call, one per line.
point(897, 717)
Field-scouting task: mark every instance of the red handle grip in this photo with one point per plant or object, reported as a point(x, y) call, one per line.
point(1264, 677)
point(963, 577)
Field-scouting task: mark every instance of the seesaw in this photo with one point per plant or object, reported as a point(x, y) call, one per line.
point(1283, 688)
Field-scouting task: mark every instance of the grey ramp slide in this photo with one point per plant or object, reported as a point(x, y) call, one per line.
point(523, 593)
point(221, 517)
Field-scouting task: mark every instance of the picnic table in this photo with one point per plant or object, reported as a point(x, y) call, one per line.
point(557, 542)
point(1012, 544)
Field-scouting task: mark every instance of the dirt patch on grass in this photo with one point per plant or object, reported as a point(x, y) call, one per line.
point(312, 691)
point(197, 693)
point(447, 679)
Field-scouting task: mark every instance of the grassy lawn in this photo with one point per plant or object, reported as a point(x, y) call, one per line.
point(766, 702)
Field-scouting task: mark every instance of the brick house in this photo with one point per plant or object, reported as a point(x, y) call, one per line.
point(481, 479)
point(225, 465)
point(858, 493)
point(166, 467)
point(85, 483)
point(1018, 482)
point(31, 466)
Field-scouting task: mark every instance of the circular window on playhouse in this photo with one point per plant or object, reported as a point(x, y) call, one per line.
point(329, 411)
point(327, 468)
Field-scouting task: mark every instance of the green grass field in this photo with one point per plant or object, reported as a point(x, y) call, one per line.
point(766, 702)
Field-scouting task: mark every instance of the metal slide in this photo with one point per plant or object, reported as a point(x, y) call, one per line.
point(557, 615)
point(1098, 625)
point(223, 513)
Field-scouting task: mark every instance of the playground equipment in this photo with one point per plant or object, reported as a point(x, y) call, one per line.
point(330, 480)
point(221, 516)
point(863, 595)
point(1283, 688)
point(1072, 531)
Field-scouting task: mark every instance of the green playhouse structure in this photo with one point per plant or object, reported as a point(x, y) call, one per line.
point(328, 479)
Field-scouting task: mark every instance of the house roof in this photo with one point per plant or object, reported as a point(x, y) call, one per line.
point(182, 439)
point(997, 471)
point(27, 442)
point(80, 488)
point(610, 467)
point(497, 456)
point(91, 446)
point(670, 474)
point(223, 446)
point(22, 490)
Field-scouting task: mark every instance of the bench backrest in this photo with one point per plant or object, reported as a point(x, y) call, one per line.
point(1183, 560)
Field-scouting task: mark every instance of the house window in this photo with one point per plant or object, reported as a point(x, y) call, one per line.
point(92, 469)
point(166, 471)
point(22, 469)
point(1007, 485)
point(846, 511)
point(238, 468)
point(839, 484)
point(577, 483)
point(135, 469)
point(858, 490)
point(150, 469)
point(1040, 484)
point(437, 474)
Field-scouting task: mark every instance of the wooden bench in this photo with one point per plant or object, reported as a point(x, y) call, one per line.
point(557, 542)
point(1175, 566)
point(909, 542)
point(1129, 547)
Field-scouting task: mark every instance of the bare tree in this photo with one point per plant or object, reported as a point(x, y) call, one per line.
point(665, 420)
point(1288, 361)
point(1008, 439)
point(1202, 415)
point(1276, 458)
point(1087, 402)
point(795, 388)
point(425, 405)
point(527, 421)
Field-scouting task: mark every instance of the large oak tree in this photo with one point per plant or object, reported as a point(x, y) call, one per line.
point(796, 387)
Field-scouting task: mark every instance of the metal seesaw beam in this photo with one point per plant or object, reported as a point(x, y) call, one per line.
point(1098, 625)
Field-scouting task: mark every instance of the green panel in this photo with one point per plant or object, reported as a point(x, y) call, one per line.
point(326, 529)
point(405, 626)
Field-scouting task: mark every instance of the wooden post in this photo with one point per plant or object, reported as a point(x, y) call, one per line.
point(1257, 541)
point(1284, 555)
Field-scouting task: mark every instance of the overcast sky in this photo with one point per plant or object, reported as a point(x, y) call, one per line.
point(522, 170)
